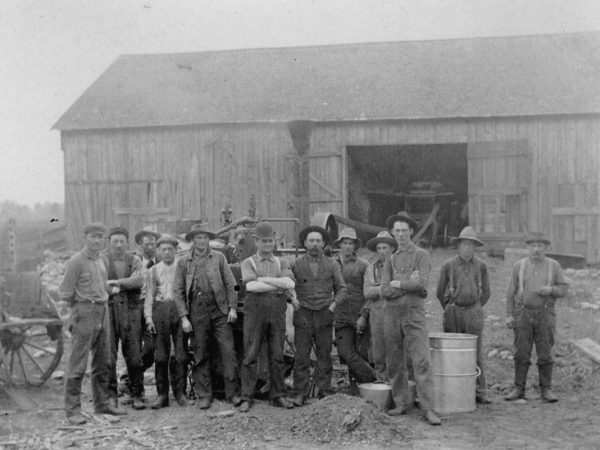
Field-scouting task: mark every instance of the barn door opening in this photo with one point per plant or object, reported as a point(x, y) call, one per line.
point(499, 176)
point(327, 183)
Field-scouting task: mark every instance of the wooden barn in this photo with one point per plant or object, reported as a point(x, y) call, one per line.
point(509, 127)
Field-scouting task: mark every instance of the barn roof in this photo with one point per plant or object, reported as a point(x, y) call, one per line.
point(500, 76)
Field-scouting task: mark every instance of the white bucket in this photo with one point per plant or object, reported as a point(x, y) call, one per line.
point(454, 367)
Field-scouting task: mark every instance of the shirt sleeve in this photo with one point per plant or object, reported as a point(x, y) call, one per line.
point(248, 272)
point(559, 285)
point(136, 279)
point(66, 290)
point(511, 292)
point(423, 265)
point(150, 292)
point(286, 270)
point(229, 281)
point(485, 284)
point(179, 288)
point(386, 277)
point(339, 285)
point(371, 289)
point(442, 285)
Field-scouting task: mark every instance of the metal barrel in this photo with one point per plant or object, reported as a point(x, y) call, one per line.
point(454, 367)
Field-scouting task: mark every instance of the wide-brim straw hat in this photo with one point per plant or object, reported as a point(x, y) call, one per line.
point(310, 229)
point(199, 228)
point(468, 234)
point(402, 216)
point(348, 233)
point(142, 234)
point(383, 237)
point(537, 236)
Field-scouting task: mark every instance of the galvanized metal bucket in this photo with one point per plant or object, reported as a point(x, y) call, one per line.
point(454, 367)
point(378, 393)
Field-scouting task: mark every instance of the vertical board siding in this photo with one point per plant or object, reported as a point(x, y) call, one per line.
point(194, 171)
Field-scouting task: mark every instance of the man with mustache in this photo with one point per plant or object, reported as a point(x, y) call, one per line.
point(320, 288)
point(536, 282)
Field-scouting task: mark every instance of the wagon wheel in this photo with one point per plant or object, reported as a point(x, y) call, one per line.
point(30, 350)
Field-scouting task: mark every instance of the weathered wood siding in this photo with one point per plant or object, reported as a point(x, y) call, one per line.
point(194, 171)
point(564, 157)
point(189, 173)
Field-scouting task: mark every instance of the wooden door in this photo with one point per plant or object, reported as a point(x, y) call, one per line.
point(499, 174)
point(327, 183)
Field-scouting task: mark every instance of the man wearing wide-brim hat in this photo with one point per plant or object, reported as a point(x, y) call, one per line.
point(536, 282)
point(463, 289)
point(267, 279)
point(374, 309)
point(204, 291)
point(404, 287)
point(321, 289)
point(352, 343)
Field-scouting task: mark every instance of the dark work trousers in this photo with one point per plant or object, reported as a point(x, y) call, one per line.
point(406, 332)
point(534, 326)
point(313, 326)
point(353, 350)
point(147, 345)
point(90, 332)
point(207, 318)
point(468, 319)
point(168, 328)
point(264, 320)
point(126, 326)
point(376, 324)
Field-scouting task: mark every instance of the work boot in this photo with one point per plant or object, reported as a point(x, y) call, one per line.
point(204, 403)
point(161, 402)
point(113, 408)
point(281, 402)
point(432, 418)
point(520, 382)
point(397, 411)
point(235, 400)
point(76, 419)
point(298, 400)
point(244, 407)
point(138, 403)
point(545, 373)
point(182, 400)
point(483, 398)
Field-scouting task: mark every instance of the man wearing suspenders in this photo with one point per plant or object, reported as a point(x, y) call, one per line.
point(404, 286)
point(536, 282)
point(266, 278)
point(463, 289)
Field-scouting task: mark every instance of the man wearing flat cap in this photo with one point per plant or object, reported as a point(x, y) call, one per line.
point(351, 335)
point(162, 321)
point(374, 309)
point(84, 288)
point(536, 282)
point(267, 278)
point(125, 311)
point(205, 294)
point(463, 289)
point(321, 289)
point(404, 286)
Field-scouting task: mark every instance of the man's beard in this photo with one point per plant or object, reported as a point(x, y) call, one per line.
point(314, 251)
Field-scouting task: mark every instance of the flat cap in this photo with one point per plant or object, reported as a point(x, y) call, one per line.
point(94, 227)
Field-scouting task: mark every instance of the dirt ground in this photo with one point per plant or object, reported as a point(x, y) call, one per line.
point(573, 422)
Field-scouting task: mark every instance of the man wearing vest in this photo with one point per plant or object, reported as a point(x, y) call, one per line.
point(147, 242)
point(404, 286)
point(350, 317)
point(125, 311)
point(320, 288)
point(384, 245)
point(164, 325)
point(536, 282)
point(266, 278)
point(205, 294)
point(463, 289)
point(84, 289)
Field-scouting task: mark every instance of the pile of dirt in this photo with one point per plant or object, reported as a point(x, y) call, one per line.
point(341, 418)
point(52, 269)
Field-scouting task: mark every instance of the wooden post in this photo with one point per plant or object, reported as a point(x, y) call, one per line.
point(300, 132)
point(12, 245)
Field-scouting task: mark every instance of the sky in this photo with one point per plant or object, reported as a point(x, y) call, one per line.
point(52, 50)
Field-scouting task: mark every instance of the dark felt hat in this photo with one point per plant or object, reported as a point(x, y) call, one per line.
point(402, 216)
point(264, 230)
point(468, 234)
point(142, 234)
point(536, 236)
point(95, 227)
point(310, 229)
point(199, 228)
point(118, 230)
point(383, 237)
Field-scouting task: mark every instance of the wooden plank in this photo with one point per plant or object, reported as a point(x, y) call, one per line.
point(575, 211)
point(589, 347)
point(141, 211)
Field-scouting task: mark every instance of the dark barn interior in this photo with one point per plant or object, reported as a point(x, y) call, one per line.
point(385, 179)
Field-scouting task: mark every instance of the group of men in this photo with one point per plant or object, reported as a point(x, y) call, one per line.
point(375, 312)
